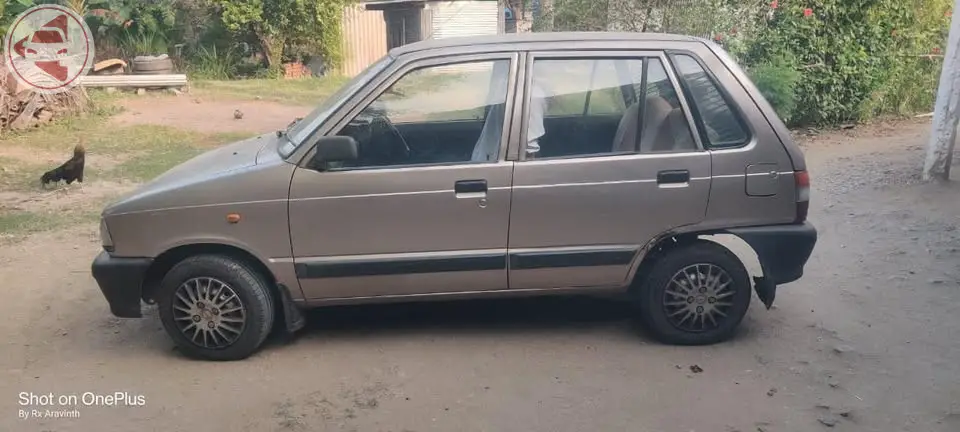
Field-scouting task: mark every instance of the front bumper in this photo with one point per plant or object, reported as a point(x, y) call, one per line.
point(121, 281)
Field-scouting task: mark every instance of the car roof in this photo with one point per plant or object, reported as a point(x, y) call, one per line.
point(510, 39)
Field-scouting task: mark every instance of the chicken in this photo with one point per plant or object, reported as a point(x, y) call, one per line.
point(70, 171)
point(237, 115)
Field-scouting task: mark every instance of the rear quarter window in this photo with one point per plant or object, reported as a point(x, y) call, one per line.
point(722, 125)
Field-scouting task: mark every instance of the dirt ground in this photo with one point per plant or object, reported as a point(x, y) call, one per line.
point(861, 343)
point(198, 113)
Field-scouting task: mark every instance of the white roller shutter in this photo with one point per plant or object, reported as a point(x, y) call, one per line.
point(459, 18)
point(454, 18)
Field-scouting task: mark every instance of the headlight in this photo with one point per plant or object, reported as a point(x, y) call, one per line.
point(105, 239)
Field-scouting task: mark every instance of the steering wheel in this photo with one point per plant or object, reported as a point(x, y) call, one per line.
point(381, 118)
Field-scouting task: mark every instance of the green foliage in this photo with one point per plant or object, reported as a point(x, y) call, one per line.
point(909, 84)
point(847, 52)
point(136, 26)
point(573, 15)
point(134, 43)
point(314, 25)
point(211, 64)
point(777, 80)
point(9, 9)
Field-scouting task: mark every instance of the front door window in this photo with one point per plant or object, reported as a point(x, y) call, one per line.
point(434, 115)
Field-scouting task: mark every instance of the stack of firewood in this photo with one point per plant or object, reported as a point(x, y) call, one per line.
point(22, 108)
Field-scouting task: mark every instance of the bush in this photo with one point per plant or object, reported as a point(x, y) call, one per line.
point(909, 87)
point(212, 64)
point(851, 54)
point(777, 80)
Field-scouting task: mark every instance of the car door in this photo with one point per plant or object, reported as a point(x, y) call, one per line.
point(586, 203)
point(425, 207)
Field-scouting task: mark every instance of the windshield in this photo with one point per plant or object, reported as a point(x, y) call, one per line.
point(299, 130)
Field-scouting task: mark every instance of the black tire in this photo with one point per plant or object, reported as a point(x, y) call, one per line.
point(153, 65)
point(157, 72)
point(249, 287)
point(660, 316)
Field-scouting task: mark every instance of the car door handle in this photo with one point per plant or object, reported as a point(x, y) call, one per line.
point(673, 177)
point(470, 187)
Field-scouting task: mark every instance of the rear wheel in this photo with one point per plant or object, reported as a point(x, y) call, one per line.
point(215, 307)
point(696, 294)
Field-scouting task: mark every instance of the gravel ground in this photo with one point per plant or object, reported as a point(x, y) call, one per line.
point(861, 343)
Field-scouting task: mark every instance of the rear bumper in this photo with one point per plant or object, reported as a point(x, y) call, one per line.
point(782, 250)
point(121, 281)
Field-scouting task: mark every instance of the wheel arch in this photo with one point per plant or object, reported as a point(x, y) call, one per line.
point(659, 246)
point(285, 309)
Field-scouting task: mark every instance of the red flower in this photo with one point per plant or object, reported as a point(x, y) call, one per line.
point(936, 50)
point(718, 37)
point(774, 4)
point(807, 12)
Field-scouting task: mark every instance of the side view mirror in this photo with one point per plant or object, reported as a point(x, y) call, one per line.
point(334, 150)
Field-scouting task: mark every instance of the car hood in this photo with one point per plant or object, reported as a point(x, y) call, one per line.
point(207, 168)
point(240, 154)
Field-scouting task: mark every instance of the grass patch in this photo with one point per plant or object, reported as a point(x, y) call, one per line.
point(177, 146)
point(305, 91)
point(149, 165)
point(16, 175)
point(20, 223)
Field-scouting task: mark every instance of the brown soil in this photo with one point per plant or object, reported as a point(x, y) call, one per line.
point(865, 341)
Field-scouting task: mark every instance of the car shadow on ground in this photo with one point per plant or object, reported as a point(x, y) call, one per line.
point(466, 316)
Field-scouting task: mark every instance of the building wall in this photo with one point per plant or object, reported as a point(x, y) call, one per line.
point(365, 32)
point(364, 38)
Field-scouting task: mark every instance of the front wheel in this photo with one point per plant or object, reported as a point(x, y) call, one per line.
point(215, 307)
point(696, 294)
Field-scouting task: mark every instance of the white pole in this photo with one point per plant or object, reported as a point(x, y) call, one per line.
point(947, 111)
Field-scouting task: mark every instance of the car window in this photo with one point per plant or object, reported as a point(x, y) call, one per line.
point(586, 107)
point(301, 129)
point(724, 128)
point(577, 87)
point(438, 114)
point(665, 127)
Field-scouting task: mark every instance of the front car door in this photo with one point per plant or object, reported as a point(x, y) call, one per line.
point(613, 165)
point(425, 207)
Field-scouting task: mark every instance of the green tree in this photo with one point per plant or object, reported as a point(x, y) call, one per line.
point(311, 24)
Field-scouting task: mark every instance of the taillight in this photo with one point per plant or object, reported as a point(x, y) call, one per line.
point(802, 179)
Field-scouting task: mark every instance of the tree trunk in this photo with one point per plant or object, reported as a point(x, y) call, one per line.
point(272, 46)
point(546, 15)
point(523, 15)
point(946, 115)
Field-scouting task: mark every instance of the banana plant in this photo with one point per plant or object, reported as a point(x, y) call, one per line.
point(9, 9)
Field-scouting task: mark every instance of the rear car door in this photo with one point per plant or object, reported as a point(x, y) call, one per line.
point(618, 165)
point(753, 180)
point(424, 209)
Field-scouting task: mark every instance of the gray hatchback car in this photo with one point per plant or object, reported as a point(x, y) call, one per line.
point(514, 165)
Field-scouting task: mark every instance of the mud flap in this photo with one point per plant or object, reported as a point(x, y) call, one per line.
point(766, 290)
point(292, 316)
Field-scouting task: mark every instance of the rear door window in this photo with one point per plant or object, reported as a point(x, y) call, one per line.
point(722, 125)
